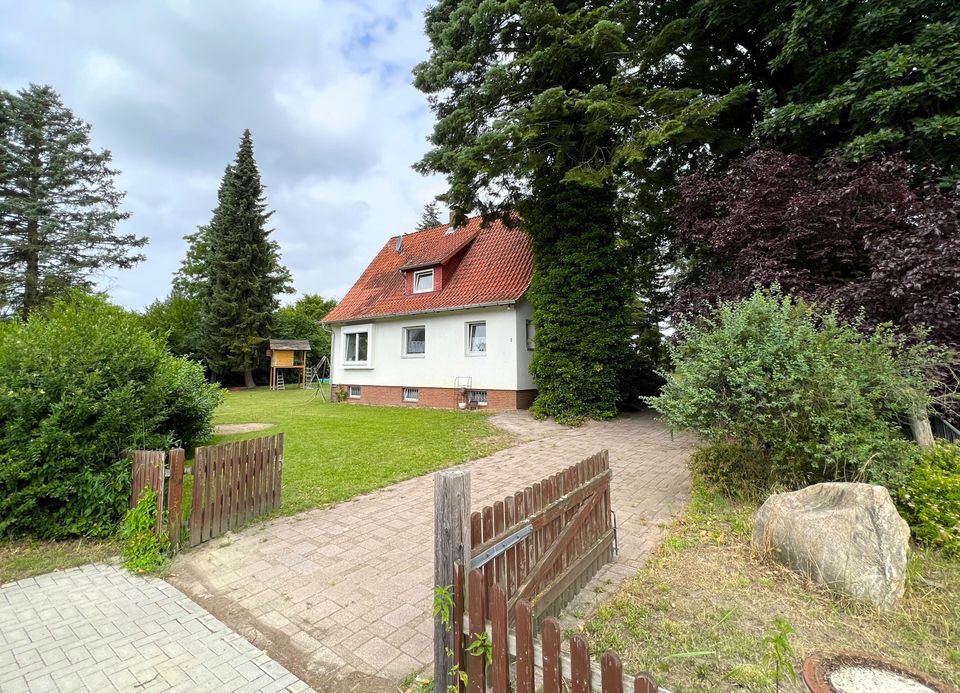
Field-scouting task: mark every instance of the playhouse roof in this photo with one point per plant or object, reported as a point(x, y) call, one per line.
point(482, 265)
point(289, 345)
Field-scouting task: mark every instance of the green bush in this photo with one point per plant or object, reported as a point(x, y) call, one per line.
point(731, 467)
point(810, 396)
point(80, 383)
point(930, 499)
point(144, 551)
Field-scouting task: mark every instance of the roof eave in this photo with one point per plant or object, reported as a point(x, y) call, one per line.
point(449, 309)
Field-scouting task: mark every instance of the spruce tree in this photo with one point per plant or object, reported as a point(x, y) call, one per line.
point(430, 217)
point(58, 205)
point(242, 274)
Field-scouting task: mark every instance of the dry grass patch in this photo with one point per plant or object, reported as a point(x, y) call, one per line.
point(22, 559)
point(699, 613)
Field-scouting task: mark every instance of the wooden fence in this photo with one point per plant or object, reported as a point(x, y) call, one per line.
point(148, 470)
point(519, 657)
point(544, 543)
point(539, 546)
point(234, 483)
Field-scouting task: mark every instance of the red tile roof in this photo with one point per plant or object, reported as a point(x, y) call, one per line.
point(495, 266)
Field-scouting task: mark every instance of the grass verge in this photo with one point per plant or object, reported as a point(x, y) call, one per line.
point(701, 614)
point(24, 558)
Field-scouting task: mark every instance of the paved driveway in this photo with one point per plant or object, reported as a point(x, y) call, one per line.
point(98, 628)
point(342, 595)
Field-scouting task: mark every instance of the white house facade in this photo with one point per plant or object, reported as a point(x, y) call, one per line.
point(439, 319)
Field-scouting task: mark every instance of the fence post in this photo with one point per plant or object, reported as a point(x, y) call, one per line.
point(451, 539)
point(175, 497)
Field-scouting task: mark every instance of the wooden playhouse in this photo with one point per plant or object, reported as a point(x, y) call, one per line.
point(287, 354)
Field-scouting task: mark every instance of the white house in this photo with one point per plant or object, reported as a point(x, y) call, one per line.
point(439, 319)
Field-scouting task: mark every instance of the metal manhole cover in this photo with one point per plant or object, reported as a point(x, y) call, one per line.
point(854, 673)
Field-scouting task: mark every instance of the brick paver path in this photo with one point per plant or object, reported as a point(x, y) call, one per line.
point(342, 595)
point(99, 628)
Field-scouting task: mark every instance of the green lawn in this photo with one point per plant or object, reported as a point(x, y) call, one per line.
point(22, 558)
point(336, 451)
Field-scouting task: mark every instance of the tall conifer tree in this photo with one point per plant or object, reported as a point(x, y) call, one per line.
point(58, 205)
point(241, 275)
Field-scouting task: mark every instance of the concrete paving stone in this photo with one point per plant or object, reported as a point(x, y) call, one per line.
point(357, 577)
point(97, 628)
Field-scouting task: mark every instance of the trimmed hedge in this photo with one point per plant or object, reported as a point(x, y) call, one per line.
point(80, 383)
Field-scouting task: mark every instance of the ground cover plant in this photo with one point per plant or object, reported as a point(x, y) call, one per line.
point(333, 452)
point(707, 613)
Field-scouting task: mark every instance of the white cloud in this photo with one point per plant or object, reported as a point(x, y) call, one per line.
point(324, 86)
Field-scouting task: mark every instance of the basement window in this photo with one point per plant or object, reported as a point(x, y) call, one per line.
point(478, 397)
point(355, 392)
point(411, 394)
point(423, 281)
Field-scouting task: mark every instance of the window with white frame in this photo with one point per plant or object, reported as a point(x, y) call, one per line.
point(411, 394)
point(531, 332)
point(356, 347)
point(355, 391)
point(476, 338)
point(423, 281)
point(478, 397)
point(414, 341)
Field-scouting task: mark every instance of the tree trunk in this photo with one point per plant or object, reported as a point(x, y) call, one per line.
point(31, 278)
point(248, 377)
point(920, 425)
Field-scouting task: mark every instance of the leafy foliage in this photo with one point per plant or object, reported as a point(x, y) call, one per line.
point(810, 395)
point(80, 383)
point(242, 274)
point(858, 236)
point(869, 79)
point(58, 204)
point(302, 321)
point(930, 500)
point(144, 550)
point(176, 320)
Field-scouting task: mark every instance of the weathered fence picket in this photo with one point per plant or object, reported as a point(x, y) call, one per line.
point(233, 483)
point(519, 657)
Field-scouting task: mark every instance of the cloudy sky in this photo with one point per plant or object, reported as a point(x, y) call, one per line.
point(169, 86)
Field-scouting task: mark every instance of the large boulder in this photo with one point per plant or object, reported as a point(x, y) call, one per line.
point(848, 537)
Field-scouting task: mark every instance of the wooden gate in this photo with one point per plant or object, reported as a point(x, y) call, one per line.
point(148, 469)
point(519, 661)
point(544, 543)
point(234, 483)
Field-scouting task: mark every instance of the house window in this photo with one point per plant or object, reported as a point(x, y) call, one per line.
point(414, 341)
point(478, 397)
point(476, 338)
point(530, 334)
point(411, 394)
point(355, 392)
point(423, 281)
point(356, 347)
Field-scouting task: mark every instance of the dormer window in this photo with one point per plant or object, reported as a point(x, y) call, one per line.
point(423, 281)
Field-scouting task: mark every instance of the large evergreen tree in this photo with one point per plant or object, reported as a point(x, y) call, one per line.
point(529, 113)
point(241, 273)
point(59, 207)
